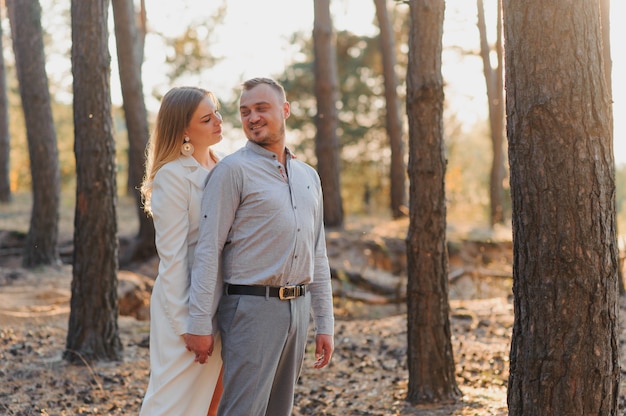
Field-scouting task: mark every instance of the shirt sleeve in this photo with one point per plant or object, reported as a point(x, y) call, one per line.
point(219, 204)
point(170, 201)
point(321, 288)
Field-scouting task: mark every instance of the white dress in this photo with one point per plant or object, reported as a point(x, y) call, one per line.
point(178, 385)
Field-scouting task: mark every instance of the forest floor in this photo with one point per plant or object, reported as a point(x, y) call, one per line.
point(368, 374)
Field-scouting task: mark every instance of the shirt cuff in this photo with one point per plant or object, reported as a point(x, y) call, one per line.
point(200, 326)
point(325, 326)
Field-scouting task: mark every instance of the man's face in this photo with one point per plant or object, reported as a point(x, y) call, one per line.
point(263, 114)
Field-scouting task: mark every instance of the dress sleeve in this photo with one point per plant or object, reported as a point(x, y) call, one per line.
point(170, 209)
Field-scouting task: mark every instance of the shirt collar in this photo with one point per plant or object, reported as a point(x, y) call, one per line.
point(260, 150)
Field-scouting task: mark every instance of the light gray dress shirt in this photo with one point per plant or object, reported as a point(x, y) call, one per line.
point(264, 222)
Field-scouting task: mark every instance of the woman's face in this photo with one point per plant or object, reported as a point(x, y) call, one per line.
point(205, 126)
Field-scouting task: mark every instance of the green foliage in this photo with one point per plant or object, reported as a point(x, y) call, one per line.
point(362, 136)
point(365, 153)
point(190, 54)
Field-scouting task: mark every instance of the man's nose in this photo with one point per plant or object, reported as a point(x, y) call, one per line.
point(253, 116)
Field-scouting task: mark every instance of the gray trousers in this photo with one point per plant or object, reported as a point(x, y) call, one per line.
point(263, 345)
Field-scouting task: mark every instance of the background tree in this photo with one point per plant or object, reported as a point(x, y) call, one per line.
point(430, 356)
point(565, 348)
point(363, 140)
point(41, 243)
point(5, 138)
point(129, 53)
point(494, 78)
point(93, 332)
point(397, 168)
point(326, 90)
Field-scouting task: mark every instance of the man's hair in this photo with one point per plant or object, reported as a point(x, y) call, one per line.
point(253, 82)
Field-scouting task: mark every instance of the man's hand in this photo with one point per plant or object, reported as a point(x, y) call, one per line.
point(324, 346)
point(201, 345)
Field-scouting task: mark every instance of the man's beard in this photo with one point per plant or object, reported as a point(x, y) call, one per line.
point(267, 138)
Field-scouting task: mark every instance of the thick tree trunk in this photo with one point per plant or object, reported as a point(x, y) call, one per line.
point(41, 243)
point(565, 349)
point(326, 90)
point(93, 331)
point(397, 173)
point(430, 356)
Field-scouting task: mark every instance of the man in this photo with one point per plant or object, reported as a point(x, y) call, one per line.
point(262, 217)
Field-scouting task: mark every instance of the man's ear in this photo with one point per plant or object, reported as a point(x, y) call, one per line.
point(286, 109)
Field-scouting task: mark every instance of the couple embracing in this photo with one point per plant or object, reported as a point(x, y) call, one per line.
point(242, 255)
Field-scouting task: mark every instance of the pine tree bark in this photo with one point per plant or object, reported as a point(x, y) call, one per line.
point(430, 355)
point(565, 347)
point(41, 243)
point(129, 61)
point(397, 172)
point(605, 18)
point(93, 332)
point(326, 91)
point(494, 78)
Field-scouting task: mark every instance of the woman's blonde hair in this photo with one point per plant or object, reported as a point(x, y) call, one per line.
point(177, 108)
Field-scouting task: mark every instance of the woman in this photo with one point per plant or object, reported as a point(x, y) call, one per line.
point(179, 158)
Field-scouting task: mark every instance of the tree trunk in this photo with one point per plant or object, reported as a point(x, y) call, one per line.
point(605, 18)
point(565, 346)
point(41, 244)
point(129, 61)
point(93, 331)
point(495, 97)
point(142, 28)
point(430, 356)
point(5, 138)
point(397, 172)
point(326, 91)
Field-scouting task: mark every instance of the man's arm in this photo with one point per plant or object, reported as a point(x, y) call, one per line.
point(216, 216)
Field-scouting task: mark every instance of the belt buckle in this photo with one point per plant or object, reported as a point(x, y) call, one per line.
point(287, 292)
